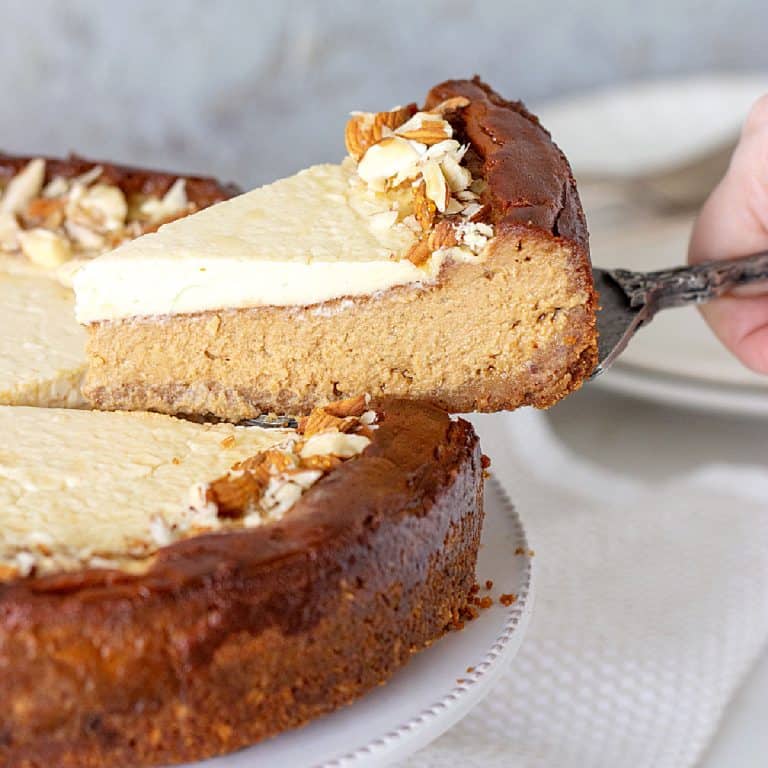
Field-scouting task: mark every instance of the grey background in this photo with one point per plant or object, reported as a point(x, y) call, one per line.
point(253, 90)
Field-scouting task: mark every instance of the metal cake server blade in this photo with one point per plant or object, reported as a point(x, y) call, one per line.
point(629, 300)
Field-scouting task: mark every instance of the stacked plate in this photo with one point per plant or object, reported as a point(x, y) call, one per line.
point(659, 149)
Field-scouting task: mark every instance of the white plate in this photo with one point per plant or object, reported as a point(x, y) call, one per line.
point(638, 127)
point(434, 690)
point(676, 359)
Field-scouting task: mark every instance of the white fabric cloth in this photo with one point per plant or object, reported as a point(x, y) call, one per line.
point(651, 606)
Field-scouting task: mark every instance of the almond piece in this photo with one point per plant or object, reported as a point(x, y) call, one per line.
point(233, 494)
point(172, 205)
point(44, 212)
point(436, 186)
point(443, 236)
point(320, 421)
point(426, 131)
point(323, 463)
point(450, 105)
point(364, 129)
point(23, 187)
point(391, 157)
point(424, 209)
point(334, 444)
point(44, 248)
point(457, 176)
point(350, 406)
point(419, 253)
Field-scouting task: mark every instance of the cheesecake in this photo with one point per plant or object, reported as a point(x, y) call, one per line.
point(56, 215)
point(172, 590)
point(444, 260)
point(42, 347)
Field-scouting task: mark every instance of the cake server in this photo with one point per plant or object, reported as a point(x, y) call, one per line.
point(629, 300)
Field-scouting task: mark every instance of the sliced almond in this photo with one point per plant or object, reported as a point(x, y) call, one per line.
point(387, 159)
point(364, 129)
point(425, 131)
point(384, 220)
point(450, 105)
point(23, 187)
point(436, 187)
point(334, 444)
point(173, 203)
point(83, 236)
point(58, 186)
point(350, 406)
point(44, 248)
point(105, 205)
point(454, 207)
point(457, 176)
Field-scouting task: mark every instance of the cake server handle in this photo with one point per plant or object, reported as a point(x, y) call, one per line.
point(695, 284)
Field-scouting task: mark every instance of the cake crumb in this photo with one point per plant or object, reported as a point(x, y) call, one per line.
point(489, 583)
point(507, 599)
point(228, 441)
point(470, 670)
point(176, 460)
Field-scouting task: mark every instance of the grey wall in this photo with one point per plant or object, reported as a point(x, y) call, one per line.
point(252, 90)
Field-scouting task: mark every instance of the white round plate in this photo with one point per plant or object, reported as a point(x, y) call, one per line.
point(640, 127)
point(434, 690)
point(675, 359)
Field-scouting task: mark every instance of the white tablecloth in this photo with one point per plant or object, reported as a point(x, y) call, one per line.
point(651, 533)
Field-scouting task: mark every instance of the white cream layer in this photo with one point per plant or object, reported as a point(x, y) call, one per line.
point(306, 239)
point(81, 487)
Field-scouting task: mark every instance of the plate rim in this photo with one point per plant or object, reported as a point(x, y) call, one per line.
point(515, 621)
point(688, 391)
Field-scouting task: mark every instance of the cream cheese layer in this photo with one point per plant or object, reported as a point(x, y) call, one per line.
point(86, 488)
point(306, 239)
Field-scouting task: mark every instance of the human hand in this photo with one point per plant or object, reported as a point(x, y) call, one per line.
point(732, 223)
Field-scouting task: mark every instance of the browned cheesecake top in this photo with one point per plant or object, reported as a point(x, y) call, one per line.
point(202, 191)
point(529, 180)
point(415, 454)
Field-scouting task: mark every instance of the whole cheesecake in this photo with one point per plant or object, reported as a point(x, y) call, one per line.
point(445, 260)
point(55, 216)
point(172, 591)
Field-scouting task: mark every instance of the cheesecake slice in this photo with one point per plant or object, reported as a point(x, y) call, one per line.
point(445, 260)
point(56, 215)
point(170, 591)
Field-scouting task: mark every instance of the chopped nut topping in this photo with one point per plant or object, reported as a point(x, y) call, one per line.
point(265, 486)
point(77, 218)
point(365, 129)
point(405, 149)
